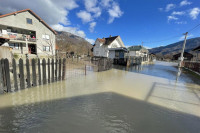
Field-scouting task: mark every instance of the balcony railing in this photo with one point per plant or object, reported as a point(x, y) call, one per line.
point(16, 36)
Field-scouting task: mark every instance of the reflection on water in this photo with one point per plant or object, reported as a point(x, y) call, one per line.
point(136, 99)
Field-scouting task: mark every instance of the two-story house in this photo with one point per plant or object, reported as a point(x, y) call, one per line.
point(27, 33)
point(110, 47)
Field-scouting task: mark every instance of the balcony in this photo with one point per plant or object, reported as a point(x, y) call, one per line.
point(19, 37)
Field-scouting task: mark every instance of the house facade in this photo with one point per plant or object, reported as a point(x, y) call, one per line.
point(27, 33)
point(138, 51)
point(108, 47)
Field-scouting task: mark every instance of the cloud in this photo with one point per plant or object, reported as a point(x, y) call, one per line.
point(178, 13)
point(114, 12)
point(84, 16)
point(91, 6)
point(171, 18)
point(106, 3)
point(53, 12)
point(73, 30)
point(170, 7)
point(183, 37)
point(181, 22)
point(194, 13)
point(185, 2)
point(160, 9)
point(92, 26)
point(92, 41)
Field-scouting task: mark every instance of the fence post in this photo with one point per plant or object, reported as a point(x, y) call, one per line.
point(44, 71)
point(64, 67)
point(34, 73)
point(56, 71)
point(21, 72)
point(28, 74)
point(49, 77)
point(52, 70)
point(39, 72)
point(7, 70)
point(14, 74)
point(1, 75)
point(85, 69)
point(59, 72)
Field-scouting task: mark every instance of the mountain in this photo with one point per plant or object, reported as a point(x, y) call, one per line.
point(169, 50)
point(68, 42)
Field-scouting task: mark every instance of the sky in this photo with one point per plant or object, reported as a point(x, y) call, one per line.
point(151, 23)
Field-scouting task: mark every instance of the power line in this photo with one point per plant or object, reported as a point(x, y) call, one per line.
point(194, 28)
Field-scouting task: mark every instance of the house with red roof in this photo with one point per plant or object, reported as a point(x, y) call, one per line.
point(110, 47)
point(27, 33)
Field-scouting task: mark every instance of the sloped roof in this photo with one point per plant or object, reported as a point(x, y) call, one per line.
point(184, 54)
point(29, 10)
point(137, 48)
point(108, 40)
point(196, 49)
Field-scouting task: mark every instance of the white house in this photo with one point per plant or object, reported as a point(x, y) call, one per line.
point(138, 51)
point(106, 47)
point(27, 33)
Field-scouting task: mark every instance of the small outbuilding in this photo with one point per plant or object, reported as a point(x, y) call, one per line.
point(197, 50)
point(187, 56)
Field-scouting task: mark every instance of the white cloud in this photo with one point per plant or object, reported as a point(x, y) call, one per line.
point(178, 13)
point(90, 40)
point(183, 37)
point(185, 2)
point(73, 30)
point(114, 12)
point(106, 3)
point(194, 13)
point(53, 12)
point(170, 7)
point(92, 26)
point(181, 22)
point(91, 6)
point(171, 18)
point(160, 9)
point(84, 16)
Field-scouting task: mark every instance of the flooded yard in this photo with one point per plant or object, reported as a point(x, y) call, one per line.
point(154, 98)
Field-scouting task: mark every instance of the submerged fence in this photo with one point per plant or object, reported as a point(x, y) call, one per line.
point(22, 74)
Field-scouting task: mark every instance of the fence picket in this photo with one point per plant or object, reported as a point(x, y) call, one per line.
point(64, 67)
point(49, 78)
point(15, 74)
point(39, 72)
point(28, 73)
point(34, 77)
point(56, 71)
point(44, 71)
point(59, 72)
point(1, 75)
point(21, 72)
point(52, 70)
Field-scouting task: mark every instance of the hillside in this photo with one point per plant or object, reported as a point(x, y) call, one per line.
point(68, 42)
point(170, 50)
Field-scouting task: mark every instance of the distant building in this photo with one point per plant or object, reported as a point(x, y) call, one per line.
point(186, 55)
point(197, 50)
point(138, 51)
point(111, 47)
point(27, 33)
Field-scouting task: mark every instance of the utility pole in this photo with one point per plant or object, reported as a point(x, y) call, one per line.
point(182, 53)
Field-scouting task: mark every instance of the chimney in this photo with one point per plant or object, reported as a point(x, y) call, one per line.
point(110, 35)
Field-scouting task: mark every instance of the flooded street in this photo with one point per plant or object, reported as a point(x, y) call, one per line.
point(154, 98)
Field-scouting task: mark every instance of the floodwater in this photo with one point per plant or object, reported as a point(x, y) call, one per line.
point(155, 98)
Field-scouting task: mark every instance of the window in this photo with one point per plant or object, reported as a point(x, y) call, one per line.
point(14, 45)
point(29, 21)
point(45, 37)
point(46, 48)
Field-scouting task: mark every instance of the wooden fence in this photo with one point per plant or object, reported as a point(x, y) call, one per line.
point(30, 73)
point(195, 66)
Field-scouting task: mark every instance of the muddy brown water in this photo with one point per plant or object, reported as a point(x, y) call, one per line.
point(154, 98)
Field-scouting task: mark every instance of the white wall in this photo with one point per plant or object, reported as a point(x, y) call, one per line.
point(112, 54)
point(19, 21)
